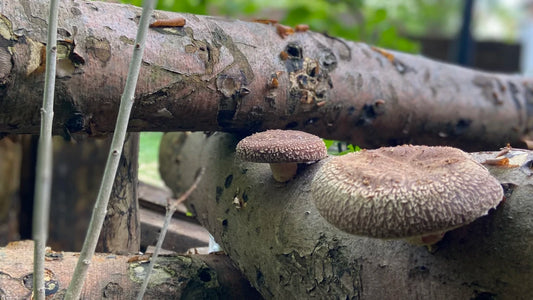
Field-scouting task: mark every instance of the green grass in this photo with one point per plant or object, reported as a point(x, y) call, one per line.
point(149, 158)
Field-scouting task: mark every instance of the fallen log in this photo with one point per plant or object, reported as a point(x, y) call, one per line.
point(215, 74)
point(120, 276)
point(274, 233)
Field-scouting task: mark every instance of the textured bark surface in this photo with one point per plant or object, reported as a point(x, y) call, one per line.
point(119, 277)
point(227, 75)
point(121, 232)
point(288, 251)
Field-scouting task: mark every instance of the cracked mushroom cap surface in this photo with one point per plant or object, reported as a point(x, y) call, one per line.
point(404, 191)
point(281, 146)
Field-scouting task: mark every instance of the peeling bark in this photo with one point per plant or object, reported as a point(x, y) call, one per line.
point(288, 251)
point(216, 74)
point(119, 277)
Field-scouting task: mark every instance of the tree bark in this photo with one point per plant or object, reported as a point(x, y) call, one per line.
point(121, 232)
point(288, 251)
point(215, 74)
point(119, 277)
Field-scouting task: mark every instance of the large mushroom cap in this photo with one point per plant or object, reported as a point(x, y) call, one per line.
point(281, 146)
point(405, 191)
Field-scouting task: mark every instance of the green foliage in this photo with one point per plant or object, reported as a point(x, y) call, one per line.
point(149, 158)
point(150, 142)
point(328, 143)
point(380, 30)
point(190, 6)
point(340, 148)
point(349, 19)
point(427, 17)
point(350, 148)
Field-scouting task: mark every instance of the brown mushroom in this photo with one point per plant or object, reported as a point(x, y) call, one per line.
point(282, 149)
point(406, 192)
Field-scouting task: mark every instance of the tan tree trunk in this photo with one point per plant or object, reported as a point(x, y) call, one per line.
point(288, 251)
point(225, 75)
point(121, 231)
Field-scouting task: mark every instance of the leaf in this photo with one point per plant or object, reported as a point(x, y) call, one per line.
point(349, 148)
point(328, 143)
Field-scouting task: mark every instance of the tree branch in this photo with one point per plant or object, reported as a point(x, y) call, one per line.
point(287, 250)
point(120, 276)
point(113, 158)
point(216, 74)
point(172, 205)
point(43, 172)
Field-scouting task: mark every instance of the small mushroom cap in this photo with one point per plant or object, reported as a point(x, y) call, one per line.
point(281, 146)
point(404, 191)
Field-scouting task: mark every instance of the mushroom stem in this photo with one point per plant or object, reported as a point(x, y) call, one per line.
point(283, 172)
